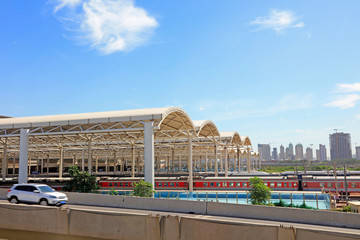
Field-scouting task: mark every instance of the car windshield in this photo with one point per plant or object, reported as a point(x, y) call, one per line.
point(46, 189)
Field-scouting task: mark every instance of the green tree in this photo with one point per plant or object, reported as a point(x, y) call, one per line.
point(81, 181)
point(259, 193)
point(143, 189)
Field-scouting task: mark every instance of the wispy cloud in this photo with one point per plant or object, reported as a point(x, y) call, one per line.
point(107, 25)
point(278, 20)
point(242, 109)
point(347, 100)
point(348, 87)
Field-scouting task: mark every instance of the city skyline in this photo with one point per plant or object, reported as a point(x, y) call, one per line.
point(247, 66)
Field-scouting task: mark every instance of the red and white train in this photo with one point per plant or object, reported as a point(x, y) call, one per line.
point(308, 183)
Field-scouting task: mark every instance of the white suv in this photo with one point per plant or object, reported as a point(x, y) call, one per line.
point(36, 193)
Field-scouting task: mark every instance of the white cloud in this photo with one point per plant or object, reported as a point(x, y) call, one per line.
point(107, 25)
point(345, 101)
point(357, 117)
point(348, 87)
point(278, 20)
point(66, 3)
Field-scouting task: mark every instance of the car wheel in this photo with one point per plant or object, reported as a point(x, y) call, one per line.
point(14, 200)
point(43, 202)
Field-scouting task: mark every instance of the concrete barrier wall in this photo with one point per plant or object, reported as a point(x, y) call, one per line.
point(103, 200)
point(319, 217)
point(3, 193)
point(98, 224)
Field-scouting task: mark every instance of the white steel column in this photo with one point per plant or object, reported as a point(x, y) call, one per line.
point(114, 162)
point(42, 165)
point(173, 159)
point(107, 165)
point(215, 162)
point(47, 163)
point(4, 163)
point(96, 164)
point(23, 156)
point(180, 167)
point(83, 160)
point(248, 160)
point(190, 164)
point(149, 152)
point(206, 161)
point(226, 161)
point(238, 158)
point(132, 160)
point(61, 162)
point(89, 158)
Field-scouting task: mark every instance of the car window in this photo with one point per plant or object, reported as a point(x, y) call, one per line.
point(30, 188)
point(20, 188)
point(45, 189)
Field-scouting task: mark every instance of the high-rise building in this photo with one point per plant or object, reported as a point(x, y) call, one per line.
point(357, 150)
point(322, 153)
point(291, 152)
point(287, 154)
point(282, 153)
point(274, 154)
point(299, 152)
point(340, 146)
point(264, 151)
point(309, 154)
point(317, 154)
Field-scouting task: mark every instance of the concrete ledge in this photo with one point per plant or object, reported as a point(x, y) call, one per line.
point(103, 200)
point(296, 215)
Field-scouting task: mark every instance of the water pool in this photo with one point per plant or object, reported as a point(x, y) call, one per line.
point(320, 201)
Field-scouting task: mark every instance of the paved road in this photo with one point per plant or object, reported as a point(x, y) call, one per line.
point(231, 220)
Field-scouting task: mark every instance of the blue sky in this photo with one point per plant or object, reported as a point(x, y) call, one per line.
point(278, 71)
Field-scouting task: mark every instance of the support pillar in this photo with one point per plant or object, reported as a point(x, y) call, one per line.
point(180, 167)
point(47, 163)
point(248, 160)
point(83, 160)
point(42, 165)
point(89, 158)
point(173, 159)
point(190, 164)
point(114, 162)
point(14, 159)
point(61, 161)
point(107, 165)
point(132, 160)
point(74, 160)
point(216, 163)
point(23, 156)
point(149, 152)
point(226, 161)
point(97, 164)
point(4, 163)
point(238, 159)
point(206, 161)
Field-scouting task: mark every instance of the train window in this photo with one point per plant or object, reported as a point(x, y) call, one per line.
point(305, 184)
point(272, 184)
point(322, 185)
point(115, 184)
point(121, 184)
point(160, 184)
point(330, 185)
point(205, 184)
point(237, 184)
point(265, 183)
point(126, 184)
point(294, 184)
point(177, 184)
point(165, 184)
point(110, 184)
point(353, 185)
point(244, 184)
point(211, 184)
point(278, 184)
point(171, 184)
point(224, 184)
point(218, 184)
point(338, 185)
point(231, 184)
